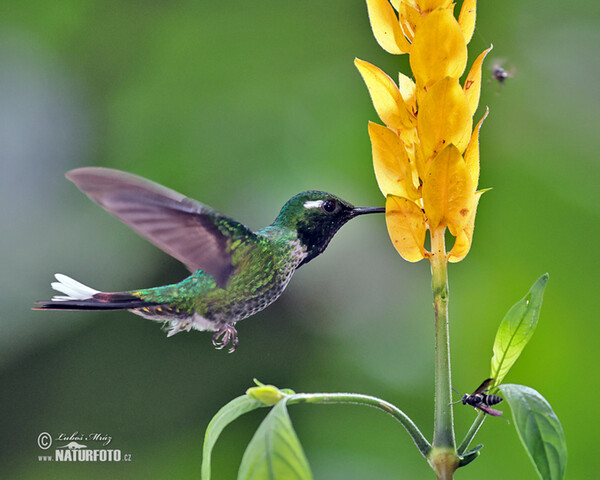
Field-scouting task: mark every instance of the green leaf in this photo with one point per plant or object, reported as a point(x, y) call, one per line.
point(227, 414)
point(516, 329)
point(539, 430)
point(469, 456)
point(275, 453)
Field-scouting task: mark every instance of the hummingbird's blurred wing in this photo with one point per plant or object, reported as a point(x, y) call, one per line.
point(194, 234)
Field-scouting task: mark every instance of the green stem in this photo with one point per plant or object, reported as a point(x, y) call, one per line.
point(367, 400)
point(443, 433)
point(443, 458)
point(462, 448)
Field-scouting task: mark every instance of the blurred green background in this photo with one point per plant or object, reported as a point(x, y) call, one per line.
point(241, 105)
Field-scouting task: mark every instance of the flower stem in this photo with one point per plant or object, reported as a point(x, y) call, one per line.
point(443, 457)
point(443, 434)
point(359, 399)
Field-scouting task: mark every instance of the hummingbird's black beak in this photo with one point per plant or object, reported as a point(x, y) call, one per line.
point(364, 210)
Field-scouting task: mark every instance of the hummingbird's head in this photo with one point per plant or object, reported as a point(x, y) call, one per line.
point(316, 217)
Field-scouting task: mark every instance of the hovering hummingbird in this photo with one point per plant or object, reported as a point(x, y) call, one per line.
point(235, 272)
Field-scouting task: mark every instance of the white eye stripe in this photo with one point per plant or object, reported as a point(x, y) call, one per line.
point(313, 204)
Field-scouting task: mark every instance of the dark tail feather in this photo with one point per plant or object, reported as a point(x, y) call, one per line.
point(91, 304)
point(81, 297)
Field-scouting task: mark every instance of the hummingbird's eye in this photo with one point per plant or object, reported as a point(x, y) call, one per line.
point(329, 206)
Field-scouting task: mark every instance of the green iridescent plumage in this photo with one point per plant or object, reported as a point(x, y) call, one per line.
point(235, 272)
point(263, 268)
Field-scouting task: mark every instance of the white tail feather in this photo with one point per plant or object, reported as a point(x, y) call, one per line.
point(72, 289)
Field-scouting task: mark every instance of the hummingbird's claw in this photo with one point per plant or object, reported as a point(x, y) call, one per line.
point(225, 335)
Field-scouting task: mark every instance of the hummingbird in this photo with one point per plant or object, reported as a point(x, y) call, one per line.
point(235, 272)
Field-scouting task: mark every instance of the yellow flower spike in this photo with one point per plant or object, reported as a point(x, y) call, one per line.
point(430, 5)
point(386, 27)
point(407, 91)
point(466, 18)
point(448, 191)
point(472, 86)
point(438, 50)
point(472, 151)
point(463, 241)
point(392, 168)
point(406, 227)
point(444, 118)
point(385, 96)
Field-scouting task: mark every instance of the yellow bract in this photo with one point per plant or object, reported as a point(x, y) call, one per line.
point(385, 96)
point(430, 5)
point(386, 27)
point(466, 19)
point(407, 227)
point(444, 118)
point(392, 167)
point(407, 91)
point(397, 3)
point(426, 158)
point(410, 19)
point(472, 86)
point(462, 244)
point(448, 191)
point(472, 151)
point(438, 50)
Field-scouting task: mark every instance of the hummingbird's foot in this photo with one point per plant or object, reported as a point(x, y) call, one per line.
point(225, 335)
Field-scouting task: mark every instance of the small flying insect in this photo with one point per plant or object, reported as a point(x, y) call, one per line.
point(481, 400)
point(499, 74)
